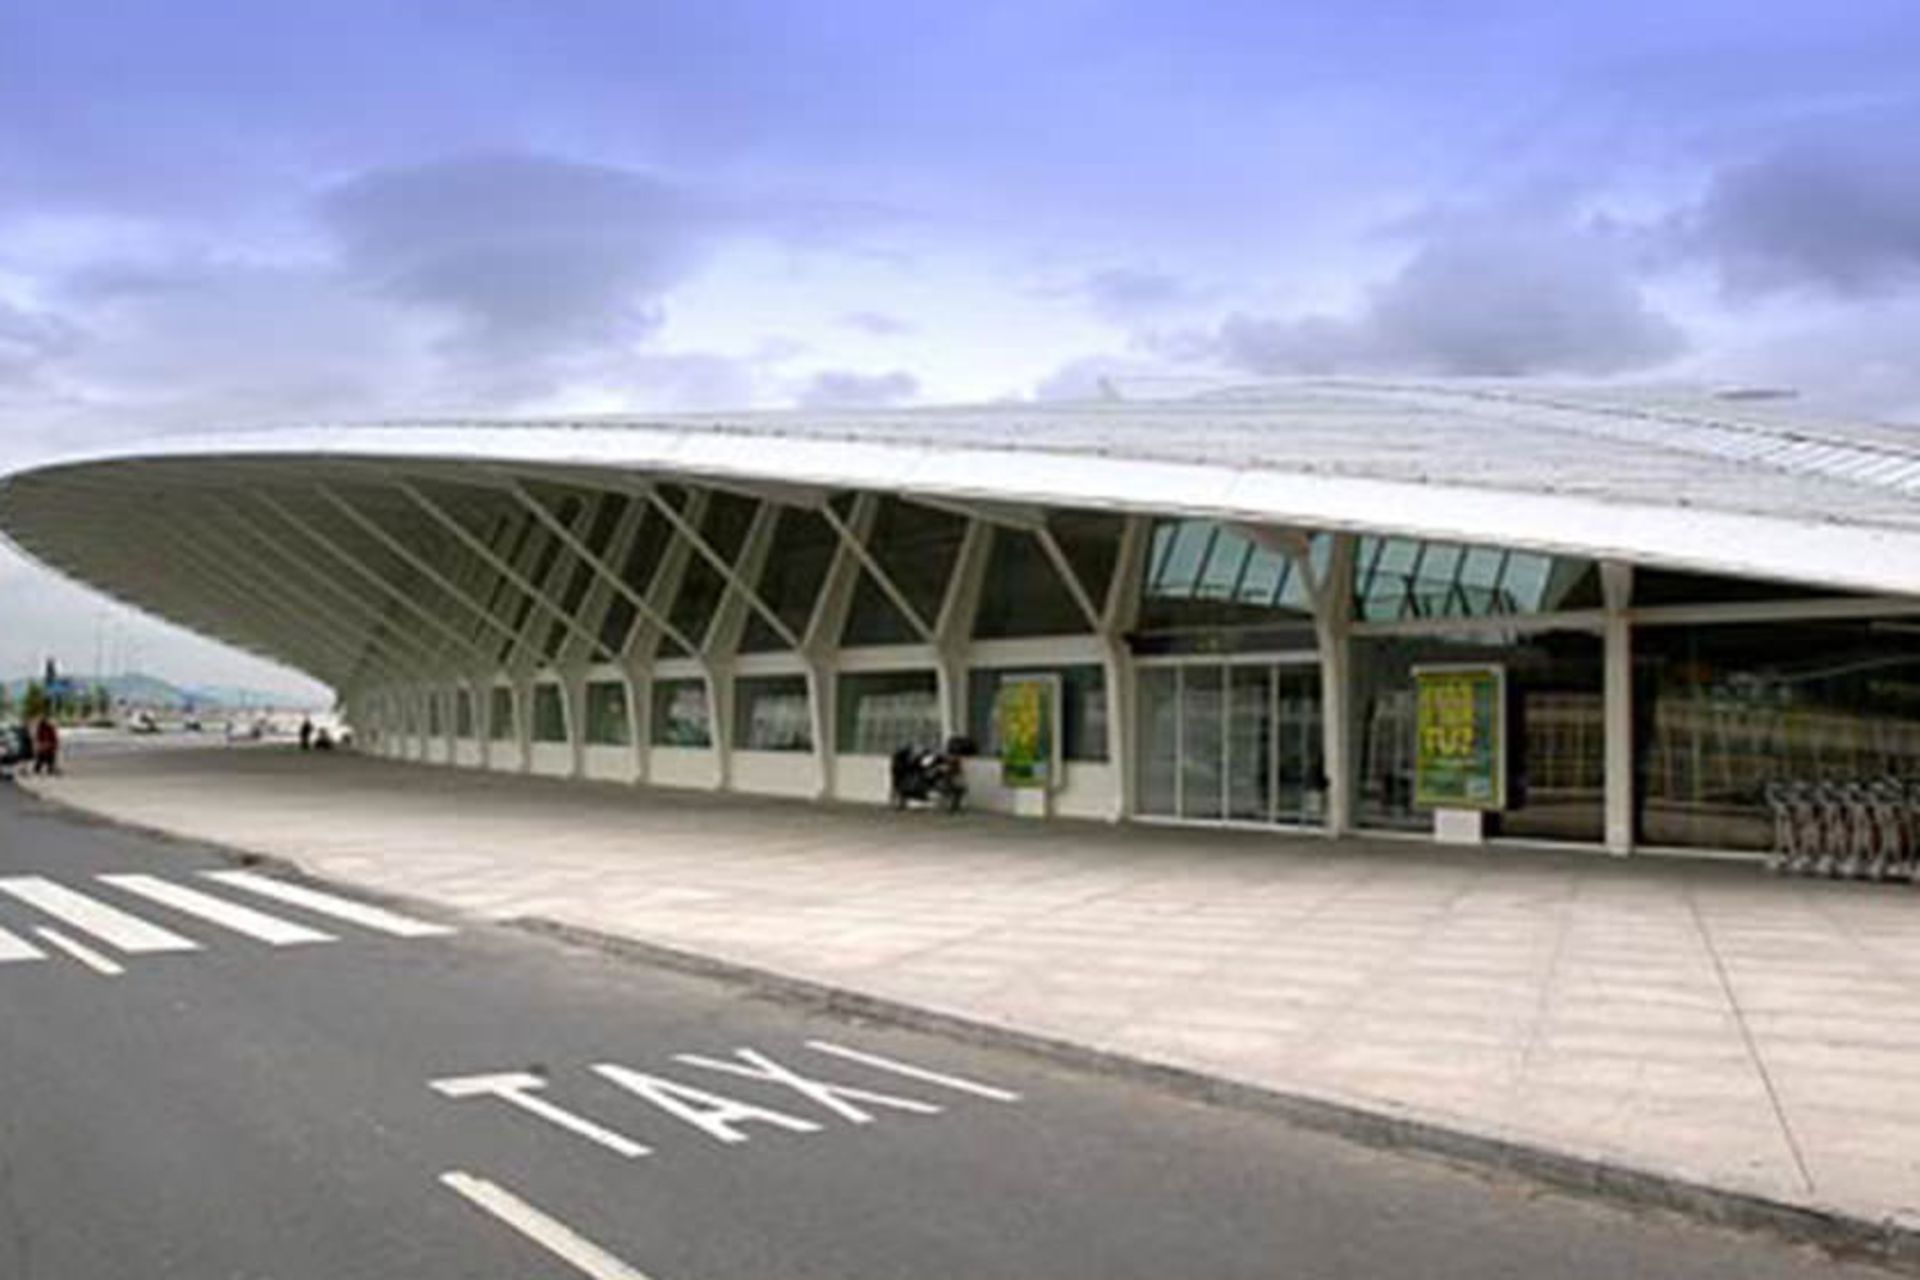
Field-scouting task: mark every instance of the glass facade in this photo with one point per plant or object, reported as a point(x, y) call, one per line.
point(770, 714)
point(882, 711)
point(549, 713)
point(1555, 732)
point(1083, 688)
point(1400, 578)
point(1023, 594)
point(1205, 574)
point(916, 547)
point(681, 716)
point(803, 549)
point(1722, 712)
point(607, 721)
point(1729, 717)
point(500, 713)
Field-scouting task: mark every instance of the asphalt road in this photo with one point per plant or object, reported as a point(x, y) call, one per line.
point(303, 1095)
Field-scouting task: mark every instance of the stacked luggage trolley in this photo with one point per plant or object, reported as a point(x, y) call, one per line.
point(1850, 829)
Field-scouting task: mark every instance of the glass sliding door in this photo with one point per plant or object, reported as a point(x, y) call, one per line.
point(1300, 793)
point(1231, 742)
point(1159, 747)
point(1250, 755)
point(1203, 744)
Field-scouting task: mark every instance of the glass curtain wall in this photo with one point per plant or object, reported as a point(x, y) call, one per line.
point(1555, 731)
point(1724, 712)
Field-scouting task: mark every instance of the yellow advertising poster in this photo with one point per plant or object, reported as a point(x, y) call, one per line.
point(1460, 758)
point(1025, 713)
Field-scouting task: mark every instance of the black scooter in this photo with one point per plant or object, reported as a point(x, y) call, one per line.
point(931, 777)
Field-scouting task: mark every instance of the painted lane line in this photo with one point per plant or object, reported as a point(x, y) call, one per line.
point(556, 1237)
point(111, 925)
point(80, 951)
point(326, 904)
point(15, 948)
point(255, 924)
point(912, 1072)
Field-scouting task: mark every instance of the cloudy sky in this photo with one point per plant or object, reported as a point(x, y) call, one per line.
point(243, 214)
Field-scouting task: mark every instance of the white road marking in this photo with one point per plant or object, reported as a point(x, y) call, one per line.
point(915, 1073)
point(109, 924)
point(255, 924)
point(516, 1087)
point(80, 951)
point(834, 1097)
point(551, 1234)
point(327, 904)
point(17, 948)
point(711, 1113)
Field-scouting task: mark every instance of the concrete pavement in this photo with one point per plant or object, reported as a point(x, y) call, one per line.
point(1697, 1020)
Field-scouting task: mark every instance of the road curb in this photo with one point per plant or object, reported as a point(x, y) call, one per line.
point(1846, 1236)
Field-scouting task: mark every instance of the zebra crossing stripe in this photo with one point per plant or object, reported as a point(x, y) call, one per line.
point(80, 951)
point(255, 924)
point(16, 948)
point(111, 925)
point(326, 904)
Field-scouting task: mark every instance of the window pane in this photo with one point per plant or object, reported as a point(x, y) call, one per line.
point(1214, 576)
point(1554, 732)
point(916, 547)
point(463, 713)
point(882, 711)
point(549, 714)
point(1023, 595)
point(1159, 739)
point(680, 714)
point(500, 714)
point(1829, 709)
point(1083, 690)
point(607, 724)
point(803, 549)
point(1091, 541)
point(770, 714)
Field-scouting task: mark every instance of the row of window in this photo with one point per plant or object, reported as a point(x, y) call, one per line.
point(876, 712)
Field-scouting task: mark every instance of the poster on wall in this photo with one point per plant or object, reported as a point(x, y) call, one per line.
point(1460, 755)
point(1026, 715)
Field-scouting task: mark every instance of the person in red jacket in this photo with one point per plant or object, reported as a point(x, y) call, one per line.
point(46, 746)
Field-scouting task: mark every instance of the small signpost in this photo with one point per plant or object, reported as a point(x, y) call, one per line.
point(1460, 749)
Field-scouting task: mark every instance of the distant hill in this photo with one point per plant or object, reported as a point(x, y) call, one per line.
point(140, 690)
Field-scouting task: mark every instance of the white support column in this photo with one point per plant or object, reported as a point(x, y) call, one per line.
point(1333, 620)
point(1616, 583)
point(1119, 616)
point(820, 644)
point(953, 632)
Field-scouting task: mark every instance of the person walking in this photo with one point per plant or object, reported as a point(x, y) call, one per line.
point(306, 733)
point(46, 746)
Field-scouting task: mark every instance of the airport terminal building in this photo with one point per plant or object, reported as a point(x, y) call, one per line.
point(1617, 619)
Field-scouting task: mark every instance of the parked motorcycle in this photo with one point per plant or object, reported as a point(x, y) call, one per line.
point(922, 775)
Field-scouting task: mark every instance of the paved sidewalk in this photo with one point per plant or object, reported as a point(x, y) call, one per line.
point(1693, 1019)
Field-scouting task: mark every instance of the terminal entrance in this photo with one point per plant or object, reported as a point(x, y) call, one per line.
point(1231, 741)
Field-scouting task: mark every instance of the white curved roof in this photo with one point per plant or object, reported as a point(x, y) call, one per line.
point(1727, 485)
